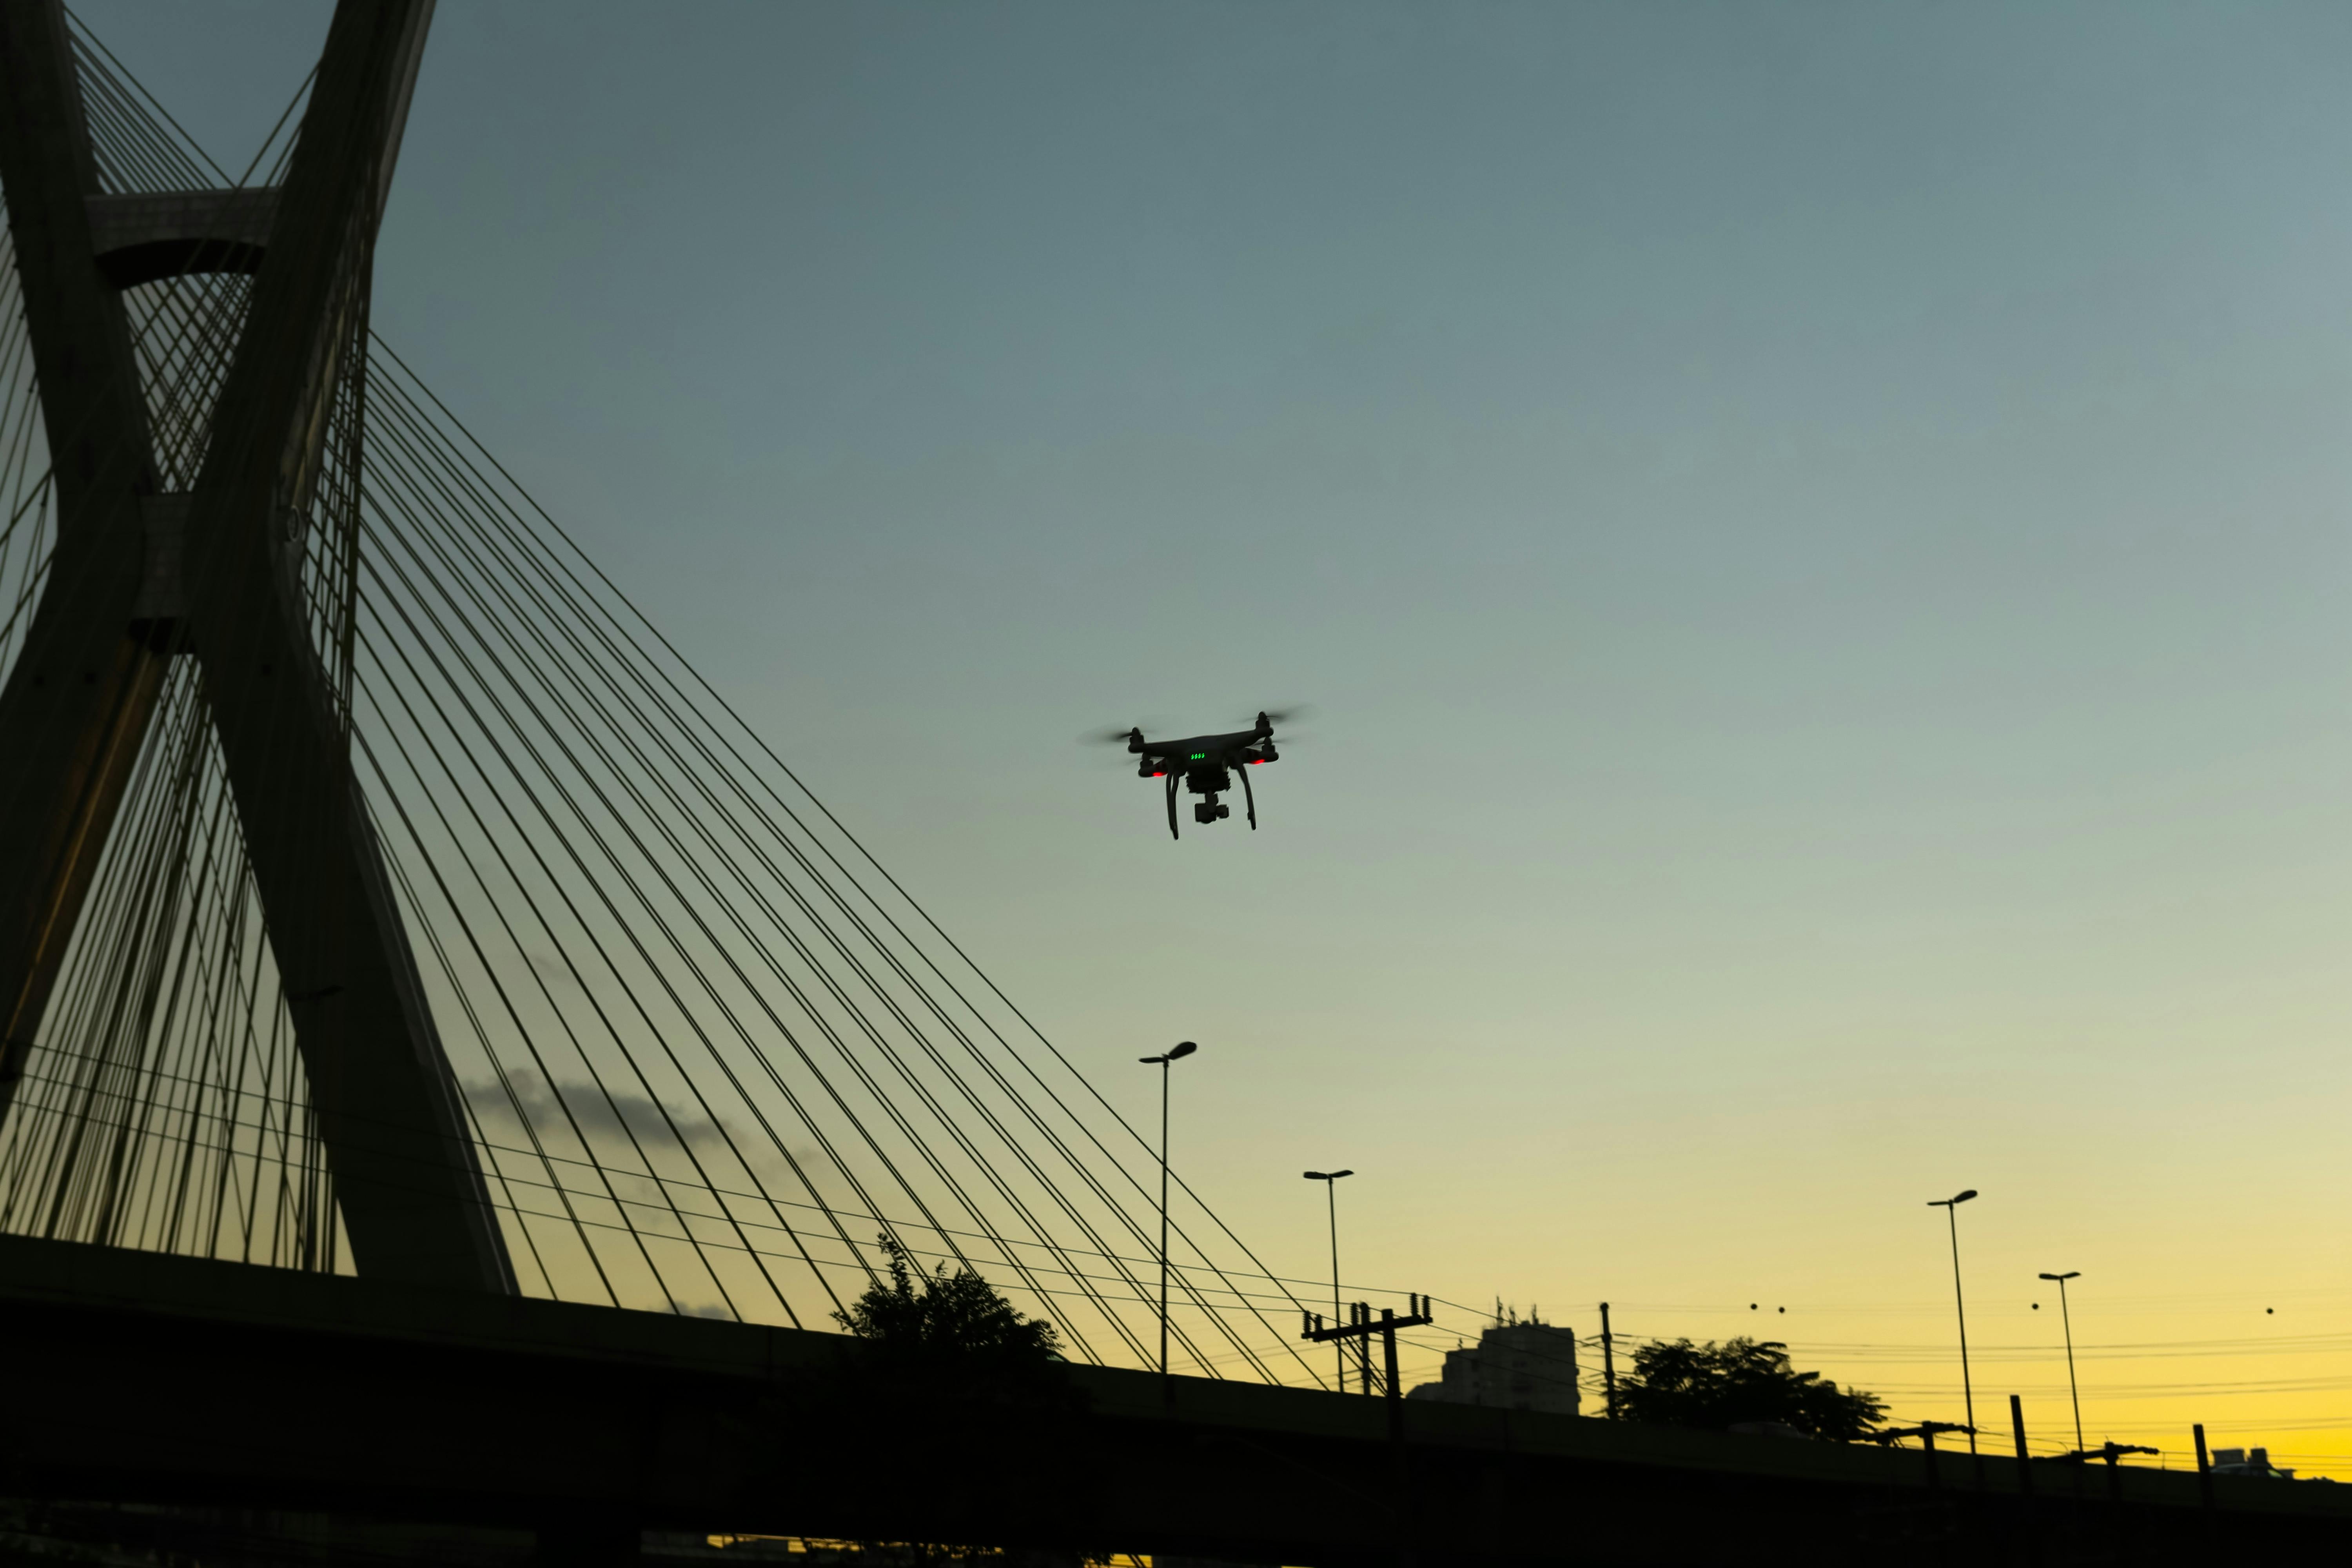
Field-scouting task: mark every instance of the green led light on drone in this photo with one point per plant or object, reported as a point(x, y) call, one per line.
point(1198, 757)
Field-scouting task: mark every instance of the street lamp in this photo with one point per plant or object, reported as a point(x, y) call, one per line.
point(1175, 1053)
point(1330, 1180)
point(1951, 1212)
point(2071, 1386)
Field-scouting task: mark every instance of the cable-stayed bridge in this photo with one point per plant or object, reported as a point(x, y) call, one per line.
point(404, 951)
point(389, 897)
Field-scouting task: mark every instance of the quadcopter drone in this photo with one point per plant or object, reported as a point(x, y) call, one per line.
point(1206, 763)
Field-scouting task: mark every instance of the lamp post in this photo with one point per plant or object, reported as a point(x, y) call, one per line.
point(2071, 1386)
point(1951, 1212)
point(1175, 1053)
point(1330, 1180)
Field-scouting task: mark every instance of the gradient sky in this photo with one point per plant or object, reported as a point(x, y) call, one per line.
point(1817, 535)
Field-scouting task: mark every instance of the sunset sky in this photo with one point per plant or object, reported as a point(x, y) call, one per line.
point(1816, 536)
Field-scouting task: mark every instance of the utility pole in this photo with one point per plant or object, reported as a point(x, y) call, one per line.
point(1362, 1326)
point(2204, 1477)
point(1388, 1349)
point(1608, 1365)
point(1926, 1432)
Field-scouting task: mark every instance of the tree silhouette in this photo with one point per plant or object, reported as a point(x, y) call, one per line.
point(952, 1326)
point(944, 1379)
point(1678, 1383)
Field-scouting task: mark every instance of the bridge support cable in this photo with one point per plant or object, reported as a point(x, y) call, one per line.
point(734, 745)
point(725, 759)
point(519, 654)
point(699, 1047)
point(850, 1059)
point(714, 805)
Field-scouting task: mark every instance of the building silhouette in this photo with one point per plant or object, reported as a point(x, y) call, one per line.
point(1515, 1365)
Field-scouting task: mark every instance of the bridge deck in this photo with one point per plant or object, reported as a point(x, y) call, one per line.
point(165, 1379)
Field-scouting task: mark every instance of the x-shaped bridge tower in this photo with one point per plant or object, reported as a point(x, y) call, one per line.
point(237, 571)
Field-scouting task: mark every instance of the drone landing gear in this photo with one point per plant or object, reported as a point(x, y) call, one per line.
point(1207, 783)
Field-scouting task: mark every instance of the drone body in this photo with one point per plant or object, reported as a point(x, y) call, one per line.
point(1206, 764)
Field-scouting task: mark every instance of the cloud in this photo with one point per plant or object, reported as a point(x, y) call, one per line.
point(615, 1125)
point(601, 1115)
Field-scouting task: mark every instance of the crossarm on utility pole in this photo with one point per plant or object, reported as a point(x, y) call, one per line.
point(1364, 1326)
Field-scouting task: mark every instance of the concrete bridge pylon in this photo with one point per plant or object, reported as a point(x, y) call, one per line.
point(223, 552)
